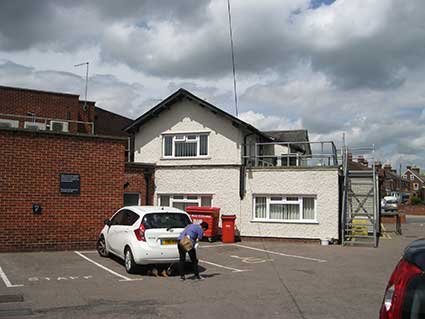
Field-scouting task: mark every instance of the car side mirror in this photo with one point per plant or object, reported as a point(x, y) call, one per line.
point(107, 222)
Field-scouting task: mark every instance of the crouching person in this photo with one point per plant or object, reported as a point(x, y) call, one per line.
point(186, 244)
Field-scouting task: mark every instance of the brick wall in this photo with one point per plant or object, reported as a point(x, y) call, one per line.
point(138, 177)
point(30, 164)
point(63, 106)
point(412, 209)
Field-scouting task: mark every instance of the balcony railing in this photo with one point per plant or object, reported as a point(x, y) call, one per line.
point(32, 122)
point(290, 154)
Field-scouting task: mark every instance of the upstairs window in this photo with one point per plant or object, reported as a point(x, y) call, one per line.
point(412, 178)
point(185, 145)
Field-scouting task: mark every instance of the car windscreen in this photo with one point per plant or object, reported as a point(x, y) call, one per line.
point(165, 220)
point(414, 300)
point(391, 201)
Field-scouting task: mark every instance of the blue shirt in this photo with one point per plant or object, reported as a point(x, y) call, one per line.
point(194, 231)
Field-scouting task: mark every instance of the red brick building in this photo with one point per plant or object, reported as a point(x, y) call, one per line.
point(416, 181)
point(59, 179)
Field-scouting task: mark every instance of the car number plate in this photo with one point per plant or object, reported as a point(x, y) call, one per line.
point(168, 241)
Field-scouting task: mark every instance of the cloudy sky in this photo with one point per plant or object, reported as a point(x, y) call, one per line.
point(332, 67)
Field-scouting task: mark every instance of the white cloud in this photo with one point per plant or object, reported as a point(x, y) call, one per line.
point(269, 123)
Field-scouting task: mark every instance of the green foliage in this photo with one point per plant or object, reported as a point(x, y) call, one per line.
point(416, 201)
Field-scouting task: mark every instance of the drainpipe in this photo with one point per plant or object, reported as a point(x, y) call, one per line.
point(242, 171)
point(148, 178)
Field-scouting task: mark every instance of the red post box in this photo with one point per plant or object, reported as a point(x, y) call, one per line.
point(210, 215)
point(228, 228)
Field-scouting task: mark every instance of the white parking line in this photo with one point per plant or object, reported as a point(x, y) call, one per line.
point(225, 267)
point(6, 280)
point(282, 254)
point(88, 251)
point(215, 245)
point(124, 278)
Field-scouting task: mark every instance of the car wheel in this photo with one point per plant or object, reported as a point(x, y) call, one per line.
point(130, 265)
point(101, 247)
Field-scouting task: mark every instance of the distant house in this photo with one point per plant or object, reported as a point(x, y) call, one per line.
point(392, 183)
point(416, 181)
point(272, 181)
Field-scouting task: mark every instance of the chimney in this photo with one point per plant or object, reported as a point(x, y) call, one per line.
point(387, 167)
point(408, 167)
point(362, 160)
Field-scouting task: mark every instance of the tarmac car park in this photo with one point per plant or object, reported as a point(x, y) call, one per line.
point(248, 279)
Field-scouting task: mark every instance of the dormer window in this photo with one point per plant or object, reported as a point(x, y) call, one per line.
point(185, 145)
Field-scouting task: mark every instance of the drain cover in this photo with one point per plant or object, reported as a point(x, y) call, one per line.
point(15, 312)
point(11, 298)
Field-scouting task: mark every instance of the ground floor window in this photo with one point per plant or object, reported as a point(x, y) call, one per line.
point(182, 201)
point(284, 208)
point(131, 199)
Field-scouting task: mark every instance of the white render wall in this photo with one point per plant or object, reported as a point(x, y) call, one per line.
point(224, 142)
point(221, 182)
point(322, 183)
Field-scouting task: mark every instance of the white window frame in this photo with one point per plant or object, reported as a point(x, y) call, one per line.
point(185, 137)
point(405, 177)
point(13, 123)
point(185, 199)
point(412, 177)
point(284, 200)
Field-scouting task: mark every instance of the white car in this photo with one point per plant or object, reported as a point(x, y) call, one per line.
point(389, 203)
point(143, 235)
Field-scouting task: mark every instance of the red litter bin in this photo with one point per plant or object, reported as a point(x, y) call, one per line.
point(210, 215)
point(228, 228)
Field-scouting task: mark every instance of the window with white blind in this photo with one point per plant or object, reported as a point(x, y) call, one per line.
point(182, 201)
point(279, 208)
point(185, 145)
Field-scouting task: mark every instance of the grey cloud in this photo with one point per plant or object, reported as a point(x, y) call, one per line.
point(108, 92)
point(189, 39)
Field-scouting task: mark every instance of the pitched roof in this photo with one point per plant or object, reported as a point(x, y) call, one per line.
point(109, 123)
point(355, 166)
point(179, 95)
point(413, 173)
point(292, 136)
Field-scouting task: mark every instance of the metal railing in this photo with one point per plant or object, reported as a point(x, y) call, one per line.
point(46, 121)
point(290, 154)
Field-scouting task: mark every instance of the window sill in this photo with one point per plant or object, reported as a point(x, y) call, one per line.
point(184, 158)
point(309, 222)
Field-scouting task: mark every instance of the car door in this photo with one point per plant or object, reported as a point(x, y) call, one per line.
point(125, 230)
point(115, 232)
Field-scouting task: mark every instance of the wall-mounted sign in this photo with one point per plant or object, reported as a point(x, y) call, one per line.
point(70, 183)
point(37, 209)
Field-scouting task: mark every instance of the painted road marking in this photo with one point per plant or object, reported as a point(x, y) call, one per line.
point(215, 245)
point(123, 278)
point(225, 267)
point(282, 254)
point(35, 279)
point(88, 251)
point(6, 280)
point(251, 260)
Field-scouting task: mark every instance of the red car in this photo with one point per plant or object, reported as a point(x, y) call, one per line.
point(405, 294)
